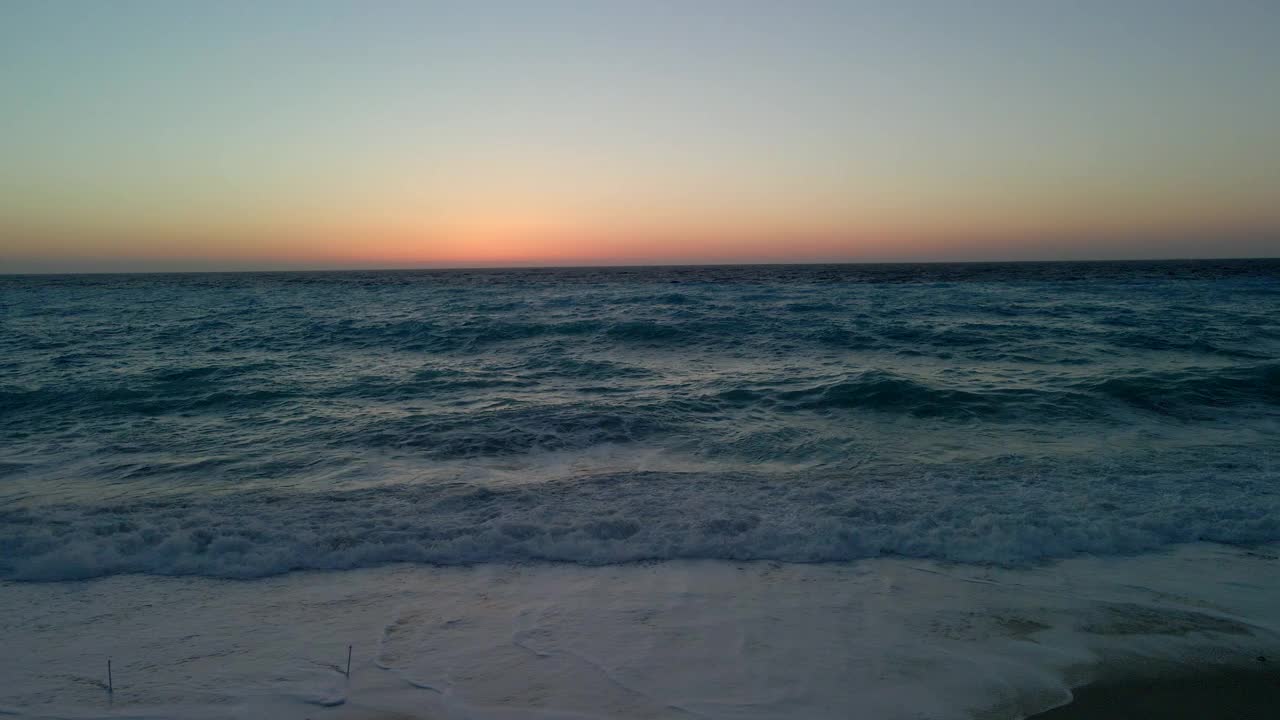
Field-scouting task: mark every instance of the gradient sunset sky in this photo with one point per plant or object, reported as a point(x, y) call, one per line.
point(230, 135)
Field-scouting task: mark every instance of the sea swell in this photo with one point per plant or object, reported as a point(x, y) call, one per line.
point(179, 389)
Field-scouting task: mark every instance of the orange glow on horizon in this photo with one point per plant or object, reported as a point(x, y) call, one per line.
point(521, 234)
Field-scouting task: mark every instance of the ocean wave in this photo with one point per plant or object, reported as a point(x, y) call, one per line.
point(106, 401)
point(448, 337)
point(557, 402)
point(1176, 391)
point(888, 392)
point(1005, 515)
point(511, 430)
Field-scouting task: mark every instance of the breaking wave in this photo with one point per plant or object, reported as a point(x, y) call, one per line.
point(1008, 514)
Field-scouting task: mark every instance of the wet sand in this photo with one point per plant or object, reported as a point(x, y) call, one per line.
point(1217, 693)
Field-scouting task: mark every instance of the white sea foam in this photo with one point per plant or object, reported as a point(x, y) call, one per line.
point(710, 639)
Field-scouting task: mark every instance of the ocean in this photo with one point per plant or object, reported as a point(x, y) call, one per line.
point(600, 425)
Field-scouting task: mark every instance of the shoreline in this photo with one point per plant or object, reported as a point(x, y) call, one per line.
point(886, 638)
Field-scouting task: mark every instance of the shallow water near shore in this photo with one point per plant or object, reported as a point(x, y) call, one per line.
point(878, 638)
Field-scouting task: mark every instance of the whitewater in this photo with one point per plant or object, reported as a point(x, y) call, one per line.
point(581, 469)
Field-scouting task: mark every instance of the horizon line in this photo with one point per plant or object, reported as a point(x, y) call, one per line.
point(802, 263)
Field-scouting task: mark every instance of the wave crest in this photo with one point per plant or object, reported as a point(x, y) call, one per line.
point(995, 514)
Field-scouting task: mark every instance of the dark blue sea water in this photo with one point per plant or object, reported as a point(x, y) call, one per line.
point(248, 424)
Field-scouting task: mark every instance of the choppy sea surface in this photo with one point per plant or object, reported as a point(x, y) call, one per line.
point(249, 424)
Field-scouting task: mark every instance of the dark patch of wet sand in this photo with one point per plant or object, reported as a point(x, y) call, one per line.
point(1214, 694)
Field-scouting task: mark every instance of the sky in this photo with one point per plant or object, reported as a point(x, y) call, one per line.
point(240, 135)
